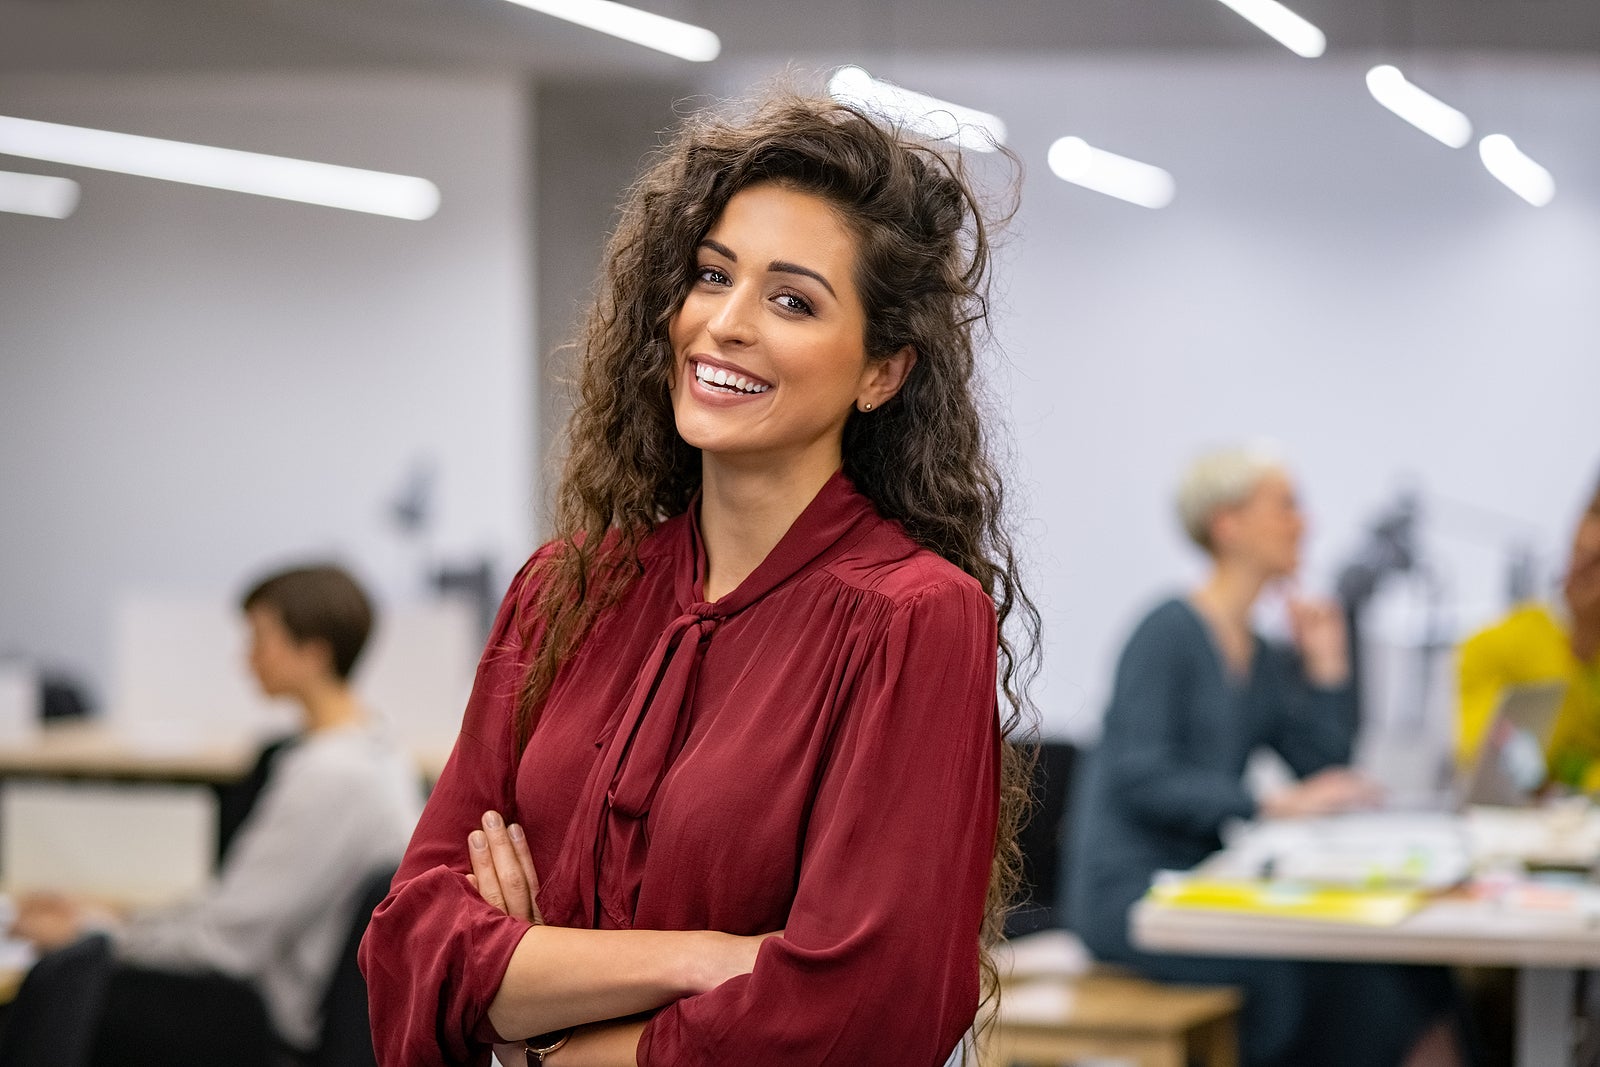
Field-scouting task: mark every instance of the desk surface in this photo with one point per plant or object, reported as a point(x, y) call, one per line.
point(1452, 929)
point(95, 750)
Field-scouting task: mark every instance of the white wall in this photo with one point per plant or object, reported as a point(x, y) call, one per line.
point(196, 384)
point(1328, 277)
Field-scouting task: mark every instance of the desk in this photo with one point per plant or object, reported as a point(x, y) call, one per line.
point(62, 761)
point(94, 750)
point(1454, 928)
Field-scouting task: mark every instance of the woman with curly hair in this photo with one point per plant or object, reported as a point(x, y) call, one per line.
point(732, 786)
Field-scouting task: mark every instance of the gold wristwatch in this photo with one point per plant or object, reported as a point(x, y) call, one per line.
point(537, 1048)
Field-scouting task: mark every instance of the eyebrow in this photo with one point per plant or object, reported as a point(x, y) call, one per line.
point(779, 266)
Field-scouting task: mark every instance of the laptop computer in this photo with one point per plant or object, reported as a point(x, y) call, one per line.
point(1509, 768)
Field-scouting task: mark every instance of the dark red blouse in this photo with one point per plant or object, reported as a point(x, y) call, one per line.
point(817, 751)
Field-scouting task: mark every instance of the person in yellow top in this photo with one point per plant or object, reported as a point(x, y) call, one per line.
point(1545, 643)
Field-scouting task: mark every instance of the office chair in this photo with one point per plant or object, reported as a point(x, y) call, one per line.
point(1041, 840)
point(52, 1019)
point(346, 1027)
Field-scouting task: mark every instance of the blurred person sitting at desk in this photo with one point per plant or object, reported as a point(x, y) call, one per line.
point(339, 800)
point(1196, 691)
point(1545, 643)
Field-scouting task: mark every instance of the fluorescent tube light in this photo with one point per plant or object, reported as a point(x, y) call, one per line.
point(350, 188)
point(1426, 112)
point(1516, 171)
point(1282, 25)
point(37, 194)
point(928, 115)
point(1075, 160)
point(629, 23)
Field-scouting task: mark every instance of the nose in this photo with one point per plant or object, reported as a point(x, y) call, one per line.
point(734, 320)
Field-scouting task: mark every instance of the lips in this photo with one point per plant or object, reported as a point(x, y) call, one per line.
point(727, 379)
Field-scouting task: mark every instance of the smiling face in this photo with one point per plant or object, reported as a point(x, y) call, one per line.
point(769, 346)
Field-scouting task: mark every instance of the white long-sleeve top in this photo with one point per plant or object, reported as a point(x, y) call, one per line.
point(336, 804)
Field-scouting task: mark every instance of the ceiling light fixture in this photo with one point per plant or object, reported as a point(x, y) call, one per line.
point(1515, 170)
point(1423, 110)
point(37, 194)
point(1282, 25)
point(927, 115)
point(1075, 160)
point(629, 23)
point(371, 191)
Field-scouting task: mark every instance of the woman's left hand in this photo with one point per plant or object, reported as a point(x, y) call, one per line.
point(502, 868)
point(503, 874)
point(1319, 634)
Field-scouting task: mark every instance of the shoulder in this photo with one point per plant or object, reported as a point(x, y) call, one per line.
point(1525, 628)
point(885, 562)
point(341, 761)
point(1166, 636)
point(1171, 620)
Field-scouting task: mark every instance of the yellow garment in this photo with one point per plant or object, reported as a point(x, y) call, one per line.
point(1530, 646)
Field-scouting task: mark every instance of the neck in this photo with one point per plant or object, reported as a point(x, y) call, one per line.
point(329, 704)
point(1586, 639)
point(745, 513)
point(1229, 593)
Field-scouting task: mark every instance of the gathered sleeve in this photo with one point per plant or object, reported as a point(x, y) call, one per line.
point(435, 952)
point(879, 959)
point(1146, 749)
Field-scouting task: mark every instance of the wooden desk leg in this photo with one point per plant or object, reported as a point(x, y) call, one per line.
point(1544, 1016)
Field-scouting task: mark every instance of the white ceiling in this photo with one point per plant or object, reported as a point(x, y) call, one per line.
point(126, 36)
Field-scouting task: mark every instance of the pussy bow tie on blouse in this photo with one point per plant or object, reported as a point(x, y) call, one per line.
point(635, 760)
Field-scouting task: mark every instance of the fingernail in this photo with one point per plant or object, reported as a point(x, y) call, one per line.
point(477, 840)
point(491, 820)
point(516, 833)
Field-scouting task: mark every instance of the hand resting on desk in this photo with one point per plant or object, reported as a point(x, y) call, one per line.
point(51, 920)
point(1328, 792)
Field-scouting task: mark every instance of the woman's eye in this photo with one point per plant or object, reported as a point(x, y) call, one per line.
point(711, 275)
point(792, 302)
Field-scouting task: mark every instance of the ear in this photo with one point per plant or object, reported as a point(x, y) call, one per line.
point(883, 379)
point(322, 651)
point(1224, 526)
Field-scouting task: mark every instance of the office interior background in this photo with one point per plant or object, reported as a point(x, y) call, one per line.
point(198, 384)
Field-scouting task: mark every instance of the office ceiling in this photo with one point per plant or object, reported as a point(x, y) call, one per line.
point(128, 36)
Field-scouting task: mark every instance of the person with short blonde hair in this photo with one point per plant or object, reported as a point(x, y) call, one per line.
point(1219, 479)
point(1197, 690)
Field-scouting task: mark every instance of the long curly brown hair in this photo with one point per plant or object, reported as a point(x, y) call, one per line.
point(922, 273)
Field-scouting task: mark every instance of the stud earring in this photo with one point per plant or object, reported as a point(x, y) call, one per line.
point(867, 406)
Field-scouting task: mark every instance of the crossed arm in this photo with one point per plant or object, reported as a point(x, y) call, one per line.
point(591, 980)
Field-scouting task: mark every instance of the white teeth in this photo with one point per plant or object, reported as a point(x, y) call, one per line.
point(716, 376)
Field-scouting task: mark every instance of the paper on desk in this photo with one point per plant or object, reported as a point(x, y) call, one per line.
point(1566, 834)
point(1371, 850)
point(1287, 900)
point(1056, 953)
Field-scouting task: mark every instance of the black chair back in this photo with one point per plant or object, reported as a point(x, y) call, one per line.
point(346, 1027)
point(56, 1012)
point(1042, 840)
